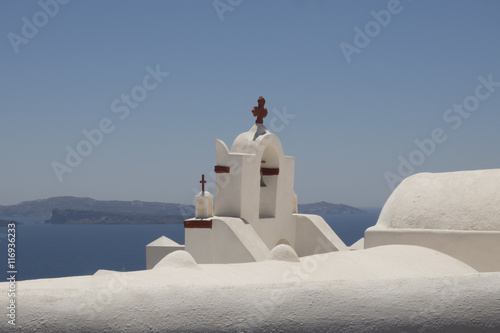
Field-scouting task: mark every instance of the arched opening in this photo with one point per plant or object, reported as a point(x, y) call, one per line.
point(269, 170)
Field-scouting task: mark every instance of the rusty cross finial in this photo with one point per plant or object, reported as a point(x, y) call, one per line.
point(203, 181)
point(260, 111)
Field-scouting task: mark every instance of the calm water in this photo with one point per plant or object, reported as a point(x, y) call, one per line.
point(45, 251)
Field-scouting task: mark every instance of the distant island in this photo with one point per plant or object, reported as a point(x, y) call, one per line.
point(74, 210)
point(43, 207)
point(326, 208)
point(72, 216)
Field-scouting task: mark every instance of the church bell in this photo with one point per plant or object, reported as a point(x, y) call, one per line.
point(262, 184)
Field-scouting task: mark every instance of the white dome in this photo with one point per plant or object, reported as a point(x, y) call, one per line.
point(464, 200)
point(256, 139)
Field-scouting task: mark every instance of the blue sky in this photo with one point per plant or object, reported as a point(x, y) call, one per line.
point(350, 118)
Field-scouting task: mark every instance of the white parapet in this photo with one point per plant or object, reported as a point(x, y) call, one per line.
point(315, 236)
point(358, 245)
point(392, 288)
point(223, 240)
point(233, 240)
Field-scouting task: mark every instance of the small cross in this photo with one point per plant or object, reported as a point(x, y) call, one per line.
point(260, 111)
point(203, 181)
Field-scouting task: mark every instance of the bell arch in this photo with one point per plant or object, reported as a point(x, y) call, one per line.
point(269, 175)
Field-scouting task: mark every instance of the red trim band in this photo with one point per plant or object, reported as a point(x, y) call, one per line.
point(221, 169)
point(198, 224)
point(270, 171)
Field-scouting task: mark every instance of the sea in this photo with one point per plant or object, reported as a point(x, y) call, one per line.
point(51, 250)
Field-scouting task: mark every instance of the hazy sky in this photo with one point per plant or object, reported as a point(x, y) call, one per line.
point(351, 86)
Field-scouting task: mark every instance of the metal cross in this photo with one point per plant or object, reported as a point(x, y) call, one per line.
point(203, 181)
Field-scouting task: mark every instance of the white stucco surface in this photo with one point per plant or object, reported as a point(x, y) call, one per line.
point(283, 252)
point(204, 202)
point(178, 259)
point(462, 200)
point(251, 142)
point(158, 249)
point(358, 245)
point(314, 236)
point(389, 289)
point(457, 213)
point(230, 240)
point(235, 241)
